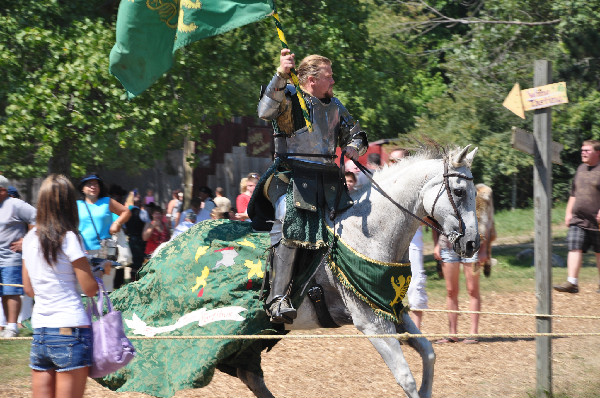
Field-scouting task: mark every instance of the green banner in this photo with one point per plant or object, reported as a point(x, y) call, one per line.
point(150, 31)
point(381, 285)
point(205, 283)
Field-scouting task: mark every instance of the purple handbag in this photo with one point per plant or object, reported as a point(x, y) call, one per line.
point(112, 349)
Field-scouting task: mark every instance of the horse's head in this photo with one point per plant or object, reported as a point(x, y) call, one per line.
point(450, 200)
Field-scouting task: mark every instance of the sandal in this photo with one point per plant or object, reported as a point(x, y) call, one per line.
point(471, 341)
point(446, 340)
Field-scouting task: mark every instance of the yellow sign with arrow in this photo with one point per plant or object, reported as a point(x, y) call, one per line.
point(518, 101)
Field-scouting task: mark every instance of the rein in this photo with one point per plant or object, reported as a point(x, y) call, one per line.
point(453, 236)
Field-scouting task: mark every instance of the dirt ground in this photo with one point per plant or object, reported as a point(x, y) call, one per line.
point(496, 367)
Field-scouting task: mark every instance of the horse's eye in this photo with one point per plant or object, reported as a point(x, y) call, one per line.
point(459, 192)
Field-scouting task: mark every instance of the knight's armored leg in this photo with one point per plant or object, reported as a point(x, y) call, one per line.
point(282, 268)
point(280, 308)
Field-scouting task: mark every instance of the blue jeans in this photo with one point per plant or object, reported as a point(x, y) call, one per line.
point(14, 276)
point(61, 349)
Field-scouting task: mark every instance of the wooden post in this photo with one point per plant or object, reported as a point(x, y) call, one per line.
point(189, 148)
point(542, 194)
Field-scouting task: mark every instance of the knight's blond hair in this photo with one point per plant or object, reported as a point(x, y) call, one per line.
point(311, 66)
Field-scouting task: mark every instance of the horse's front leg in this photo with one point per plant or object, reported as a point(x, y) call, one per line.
point(425, 350)
point(391, 352)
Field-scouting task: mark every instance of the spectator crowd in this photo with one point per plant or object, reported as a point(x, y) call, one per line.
point(131, 218)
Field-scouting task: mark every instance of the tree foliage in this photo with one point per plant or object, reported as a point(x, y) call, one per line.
point(483, 61)
point(62, 111)
point(436, 68)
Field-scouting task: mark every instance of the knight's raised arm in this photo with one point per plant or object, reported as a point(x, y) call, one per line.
point(271, 97)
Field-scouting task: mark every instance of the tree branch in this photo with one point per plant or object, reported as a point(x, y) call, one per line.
point(442, 19)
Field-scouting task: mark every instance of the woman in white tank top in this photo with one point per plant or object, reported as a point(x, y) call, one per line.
point(54, 265)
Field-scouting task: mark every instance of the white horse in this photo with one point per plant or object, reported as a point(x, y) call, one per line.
point(425, 185)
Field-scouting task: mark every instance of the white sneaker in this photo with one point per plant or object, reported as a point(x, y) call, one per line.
point(9, 333)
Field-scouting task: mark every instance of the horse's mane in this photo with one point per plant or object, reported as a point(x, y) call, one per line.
point(424, 151)
point(407, 162)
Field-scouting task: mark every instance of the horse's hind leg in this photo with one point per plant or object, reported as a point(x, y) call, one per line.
point(425, 350)
point(255, 383)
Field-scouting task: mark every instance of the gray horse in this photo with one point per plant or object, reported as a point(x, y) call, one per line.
point(426, 185)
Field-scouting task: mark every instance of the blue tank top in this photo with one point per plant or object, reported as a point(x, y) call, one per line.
point(103, 218)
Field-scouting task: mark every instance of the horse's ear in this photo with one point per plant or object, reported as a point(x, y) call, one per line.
point(470, 156)
point(463, 158)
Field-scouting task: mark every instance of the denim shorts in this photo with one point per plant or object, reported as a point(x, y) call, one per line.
point(12, 275)
point(450, 256)
point(61, 349)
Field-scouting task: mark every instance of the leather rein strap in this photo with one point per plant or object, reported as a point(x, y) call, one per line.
point(453, 236)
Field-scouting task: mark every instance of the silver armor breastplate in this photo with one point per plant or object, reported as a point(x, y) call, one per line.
point(323, 139)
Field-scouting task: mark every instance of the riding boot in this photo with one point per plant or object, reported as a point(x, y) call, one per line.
point(279, 305)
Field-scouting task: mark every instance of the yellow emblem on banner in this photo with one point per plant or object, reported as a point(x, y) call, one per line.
point(192, 5)
point(167, 11)
point(255, 268)
point(400, 286)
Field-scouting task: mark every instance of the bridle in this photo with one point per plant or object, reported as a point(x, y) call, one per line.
point(453, 236)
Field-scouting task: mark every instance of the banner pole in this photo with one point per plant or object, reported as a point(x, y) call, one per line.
point(299, 92)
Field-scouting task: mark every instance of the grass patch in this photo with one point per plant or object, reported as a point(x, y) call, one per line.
point(14, 360)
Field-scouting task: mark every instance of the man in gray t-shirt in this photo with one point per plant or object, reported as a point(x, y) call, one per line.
point(16, 216)
point(582, 215)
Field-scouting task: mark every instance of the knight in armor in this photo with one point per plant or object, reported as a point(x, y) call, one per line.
point(304, 163)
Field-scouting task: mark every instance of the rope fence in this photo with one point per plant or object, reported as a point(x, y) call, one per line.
point(397, 336)
point(401, 336)
point(513, 314)
point(466, 312)
point(11, 284)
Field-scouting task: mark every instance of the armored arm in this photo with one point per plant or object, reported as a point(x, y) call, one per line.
point(351, 134)
point(272, 97)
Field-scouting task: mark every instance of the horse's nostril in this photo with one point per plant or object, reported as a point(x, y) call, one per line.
point(470, 245)
point(470, 248)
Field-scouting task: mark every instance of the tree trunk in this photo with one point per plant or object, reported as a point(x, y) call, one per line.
point(188, 173)
point(60, 162)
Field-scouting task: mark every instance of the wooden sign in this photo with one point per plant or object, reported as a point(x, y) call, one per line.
point(518, 101)
point(523, 141)
point(513, 101)
point(544, 96)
